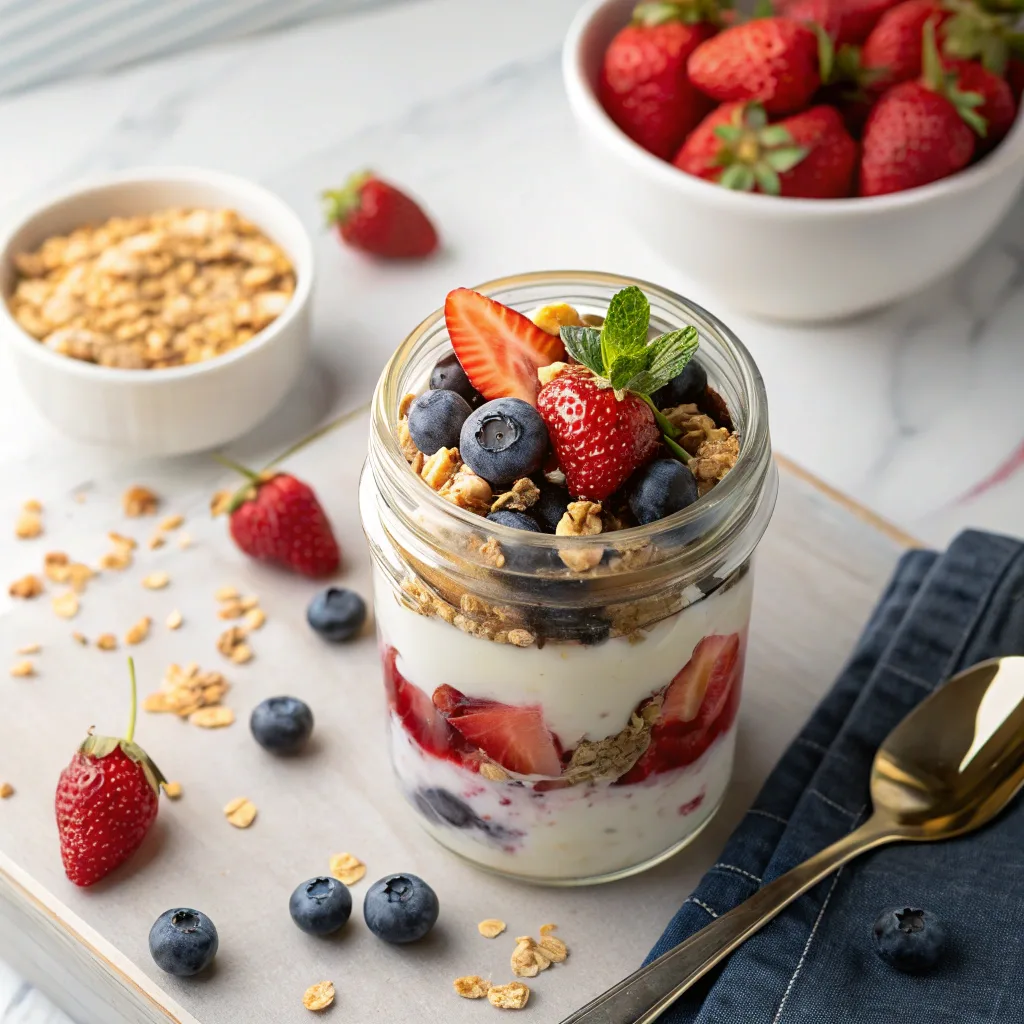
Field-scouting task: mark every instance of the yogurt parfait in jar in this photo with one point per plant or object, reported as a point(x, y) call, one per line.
point(568, 475)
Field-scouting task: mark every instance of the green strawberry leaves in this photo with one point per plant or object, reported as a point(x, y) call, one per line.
point(939, 80)
point(620, 352)
point(754, 153)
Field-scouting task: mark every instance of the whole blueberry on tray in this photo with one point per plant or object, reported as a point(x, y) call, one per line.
point(504, 440)
point(660, 489)
point(689, 386)
point(183, 942)
point(320, 906)
point(448, 375)
point(337, 614)
point(909, 939)
point(400, 908)
point(435, 420)
point(281, 725)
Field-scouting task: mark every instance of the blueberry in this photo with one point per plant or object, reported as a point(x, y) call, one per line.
point(503, 440)
point(688, 387)
point(400, 908)
point(662, 487)
point(551, 505)
point(337, 614)
point(440, 805)
point(585, 625)
point(517, 520)
point(183, 942)
point(524, 558)
point(448, 375)
point(908, 939)
point(320, 906)
point(281, 724)
point(435, 419)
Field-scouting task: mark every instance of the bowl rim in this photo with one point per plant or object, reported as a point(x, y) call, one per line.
point(303, 261)
point(584, 102)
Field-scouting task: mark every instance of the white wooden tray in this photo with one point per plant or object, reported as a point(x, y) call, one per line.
point(820, 568)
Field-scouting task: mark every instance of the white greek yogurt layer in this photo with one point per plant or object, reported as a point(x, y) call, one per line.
point(581, 832)
point(587, 692)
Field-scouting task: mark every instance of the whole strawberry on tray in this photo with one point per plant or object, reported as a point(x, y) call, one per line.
point(106, 802)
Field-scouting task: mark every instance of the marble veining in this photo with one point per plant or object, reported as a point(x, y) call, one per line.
point(914, 411)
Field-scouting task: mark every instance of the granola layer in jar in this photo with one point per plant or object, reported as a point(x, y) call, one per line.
point(562, 707)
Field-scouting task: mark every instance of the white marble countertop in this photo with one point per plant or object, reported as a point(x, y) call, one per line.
point(915, 412)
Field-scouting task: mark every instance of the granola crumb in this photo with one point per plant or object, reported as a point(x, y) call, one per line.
point(23, 669)
point(187, 691)
point(521, 637)
point(56, 566)
point(547, 929)
point(117, 560)
point(106, 642)
point(26, 588)
point(581, 519)
point(156, 580)
point(139, 501)
point(169, 523)
point(491, 928)
point(66, 604)
point(523, 494)
point(155, 542)
point(184, 540)
point(255, 618)
point(528, 959)
point(28, 526)
point(319, 996)
point(714, 458)
point(139, 631)
point(214, 717)
point(121, 541)
point(513, 996)
point(172, 790)
point(175, 619)
point(32, 505)
point(6, 790)
point(29, 649)
point(441, 467)
point(240, 812)
point(226, 594)
point(241, 654)
point(347, 868)
point(80, 638)
point(551, 319)
point(493, 772)
point(471, 986)
point(554, 948)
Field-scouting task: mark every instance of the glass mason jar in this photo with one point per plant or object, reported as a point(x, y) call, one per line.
point(609, 665)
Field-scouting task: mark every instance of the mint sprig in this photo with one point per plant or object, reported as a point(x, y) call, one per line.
point(621, 355)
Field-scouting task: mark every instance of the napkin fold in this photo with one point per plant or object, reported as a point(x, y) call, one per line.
point(816, 962)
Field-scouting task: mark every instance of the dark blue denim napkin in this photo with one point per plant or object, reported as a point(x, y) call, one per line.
point(815, 964)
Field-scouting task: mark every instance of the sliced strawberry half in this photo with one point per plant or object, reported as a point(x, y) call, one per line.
point(418, 715)
point(500, 349)
point(515, 736)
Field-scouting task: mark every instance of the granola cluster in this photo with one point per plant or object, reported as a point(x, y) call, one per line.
point(144, 293)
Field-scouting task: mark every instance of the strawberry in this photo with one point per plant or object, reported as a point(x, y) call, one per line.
point(599, 439)
point(276, 518)
point(413, 708)
point(643, 83)
point(845, 21)
point(893, 49)
point(107, 800)
point(698, 706)
point(998, 107)
point(514, 736)
point(376, 217)
point(921, 131)
point(773, 60)
point(809, 154)
point(499, 349)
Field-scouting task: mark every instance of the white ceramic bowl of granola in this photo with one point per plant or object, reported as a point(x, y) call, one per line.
point(176, 409)
point(785, 259)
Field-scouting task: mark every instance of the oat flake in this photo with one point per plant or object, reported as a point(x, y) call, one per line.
point(156, 581)
point(240, 812)
point(27, 526)
point(29, 649)
point(66, 604)
point(23, 669)
point(139, 501)
point(471, 986)
point(513, 996)
point(174, 620)
point(319, 996)
point(347, 868)
point(172, 790)
point(216, 717)
point(491, 928)
point(6, 790)
point(226, 594)
point(139, 631)
point(106, 642)
point(26, 588)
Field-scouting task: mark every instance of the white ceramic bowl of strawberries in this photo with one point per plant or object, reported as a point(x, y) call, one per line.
point(779, 256)
point(180, 408)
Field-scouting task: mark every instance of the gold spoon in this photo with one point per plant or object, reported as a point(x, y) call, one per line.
point(947, 769)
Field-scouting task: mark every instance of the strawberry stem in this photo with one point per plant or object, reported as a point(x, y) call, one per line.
point(668, 430)
point(130, 735)
point(680, 453)
point(237, 467)
point(341, 203)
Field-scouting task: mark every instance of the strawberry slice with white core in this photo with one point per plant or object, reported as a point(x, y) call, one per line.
point(515, 736)
point(705, 678)
point(499, 348)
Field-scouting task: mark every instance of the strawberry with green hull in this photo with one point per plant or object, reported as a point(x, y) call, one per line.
point(893, 51)
point(809, 155)
point(643, 84)
point(376, 217)
point(998, 107)
point(600, 418)
point(106, 802)
point(774, 60)
point(499, 349)
point(845, 21)
point(920, 132)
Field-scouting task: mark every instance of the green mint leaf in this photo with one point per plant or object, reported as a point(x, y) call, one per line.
point(670, 353)
point(584, 345)
point(626, 368)
point(625, 325)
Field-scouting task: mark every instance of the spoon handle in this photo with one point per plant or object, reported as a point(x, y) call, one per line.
point(645, 995)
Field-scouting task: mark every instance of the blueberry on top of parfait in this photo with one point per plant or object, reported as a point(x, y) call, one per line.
point(503, 440)
point(448, 375)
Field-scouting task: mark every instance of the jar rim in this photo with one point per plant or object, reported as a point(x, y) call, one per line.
point(752, 469)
